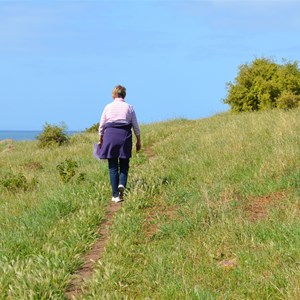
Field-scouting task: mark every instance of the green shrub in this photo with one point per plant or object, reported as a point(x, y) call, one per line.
point(264, 84)
point(93, 128)
point(53, 135)
point(67, 169)
point(17, 182)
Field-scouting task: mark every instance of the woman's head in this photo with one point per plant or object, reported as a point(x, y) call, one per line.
point(119, 91)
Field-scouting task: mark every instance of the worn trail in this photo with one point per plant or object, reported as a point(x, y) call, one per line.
point(75, 287)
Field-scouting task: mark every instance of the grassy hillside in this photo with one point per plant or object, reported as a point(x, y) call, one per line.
point(211, 212)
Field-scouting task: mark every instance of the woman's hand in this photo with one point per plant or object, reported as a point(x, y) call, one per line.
point(100, 141)
point(138, 144)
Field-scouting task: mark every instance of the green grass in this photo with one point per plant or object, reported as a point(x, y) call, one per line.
point(214, 214)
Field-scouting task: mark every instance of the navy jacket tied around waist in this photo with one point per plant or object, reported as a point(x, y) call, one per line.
point(117, 141)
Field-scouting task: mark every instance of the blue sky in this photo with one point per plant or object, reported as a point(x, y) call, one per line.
point(59, 60)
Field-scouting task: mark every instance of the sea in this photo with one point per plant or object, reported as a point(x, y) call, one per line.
point(24, 135)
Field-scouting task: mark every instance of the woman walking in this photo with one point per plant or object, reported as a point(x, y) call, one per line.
point(115, 139)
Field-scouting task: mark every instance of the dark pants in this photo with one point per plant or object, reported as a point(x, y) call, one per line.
point(118, 173)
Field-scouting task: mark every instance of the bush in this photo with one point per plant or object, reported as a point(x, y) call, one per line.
point(93, 128)
point(17, 182)
point(67, 169)
point(264, 84)
point(53, 135)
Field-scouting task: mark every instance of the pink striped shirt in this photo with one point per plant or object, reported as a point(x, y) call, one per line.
point(119, 111)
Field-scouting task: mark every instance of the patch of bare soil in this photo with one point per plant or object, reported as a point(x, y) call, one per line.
point(258, 207)
point(7, 144)
point(6, 141)
point(153, 218)
point(32, 165)
point(149, 152)
point(76, 286)
point(228, 263)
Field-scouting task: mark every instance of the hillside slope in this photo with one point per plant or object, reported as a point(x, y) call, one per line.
point(211, 212)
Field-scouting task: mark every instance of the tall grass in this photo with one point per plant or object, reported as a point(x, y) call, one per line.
point(211, 212)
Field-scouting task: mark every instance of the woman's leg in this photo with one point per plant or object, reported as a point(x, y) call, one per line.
point(124, 167)
point(113, 175)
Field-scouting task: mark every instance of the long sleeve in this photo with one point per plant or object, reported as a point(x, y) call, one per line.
point(102, 122)
point(135, 124)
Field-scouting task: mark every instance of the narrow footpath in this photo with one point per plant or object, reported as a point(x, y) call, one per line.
point(75, 287)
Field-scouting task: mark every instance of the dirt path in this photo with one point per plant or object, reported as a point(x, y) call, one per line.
point(75, 287)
